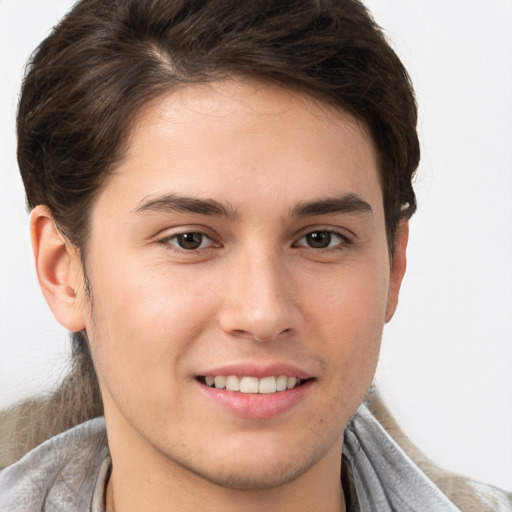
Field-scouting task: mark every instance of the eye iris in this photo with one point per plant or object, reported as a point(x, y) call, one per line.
point(319, 239)
point(190, 240)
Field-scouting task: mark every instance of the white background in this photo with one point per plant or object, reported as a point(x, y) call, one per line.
point(446, 366)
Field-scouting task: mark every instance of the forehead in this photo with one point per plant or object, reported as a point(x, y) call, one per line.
point(243, 139)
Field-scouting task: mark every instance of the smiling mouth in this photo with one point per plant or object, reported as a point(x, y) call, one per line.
point(252, 385)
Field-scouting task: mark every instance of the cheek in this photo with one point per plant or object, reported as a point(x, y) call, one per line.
point(349, 336)
point(352, 303)
point(142, 325)
point(138, 297)
point(351, 320)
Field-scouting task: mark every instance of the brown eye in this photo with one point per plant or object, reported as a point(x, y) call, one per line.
point(322, 240)
point(319, 239)
point(190, 241)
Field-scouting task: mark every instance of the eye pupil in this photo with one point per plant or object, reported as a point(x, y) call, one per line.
point(319, 239)
point(190, 241)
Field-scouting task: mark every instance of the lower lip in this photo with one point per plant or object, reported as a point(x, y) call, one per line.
point(258, 406)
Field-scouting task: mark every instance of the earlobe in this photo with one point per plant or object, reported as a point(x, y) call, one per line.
point(398, 265)
point(56, 263)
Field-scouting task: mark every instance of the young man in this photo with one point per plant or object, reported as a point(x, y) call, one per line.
point(220, 198)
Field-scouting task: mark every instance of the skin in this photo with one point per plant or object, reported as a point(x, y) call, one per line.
point(254, 292)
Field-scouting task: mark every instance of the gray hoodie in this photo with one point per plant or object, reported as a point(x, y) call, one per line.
point(68, 473)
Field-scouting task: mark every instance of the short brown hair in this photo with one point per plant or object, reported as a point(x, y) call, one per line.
point(106, 59)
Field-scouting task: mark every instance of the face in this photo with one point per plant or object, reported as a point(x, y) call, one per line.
point(241, 243)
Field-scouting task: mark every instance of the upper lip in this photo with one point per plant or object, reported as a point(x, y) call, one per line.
point(258, 370)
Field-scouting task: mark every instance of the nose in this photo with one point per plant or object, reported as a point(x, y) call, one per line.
point(259, 301)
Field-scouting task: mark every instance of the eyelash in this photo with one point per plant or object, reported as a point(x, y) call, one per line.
point(343, 241)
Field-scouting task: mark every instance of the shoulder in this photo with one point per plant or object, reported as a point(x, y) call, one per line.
point(467, 494)
point(60, 474)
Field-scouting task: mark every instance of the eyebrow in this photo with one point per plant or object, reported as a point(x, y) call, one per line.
point(175, 203)
point(347, 203)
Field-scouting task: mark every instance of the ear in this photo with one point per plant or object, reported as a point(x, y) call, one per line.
point(398, 265)
point(57, 267)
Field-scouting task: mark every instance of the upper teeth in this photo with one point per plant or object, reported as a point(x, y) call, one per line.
point(253, 384)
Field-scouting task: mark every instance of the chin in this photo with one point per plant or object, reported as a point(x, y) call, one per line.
point(248, 476)
point(264, 466)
